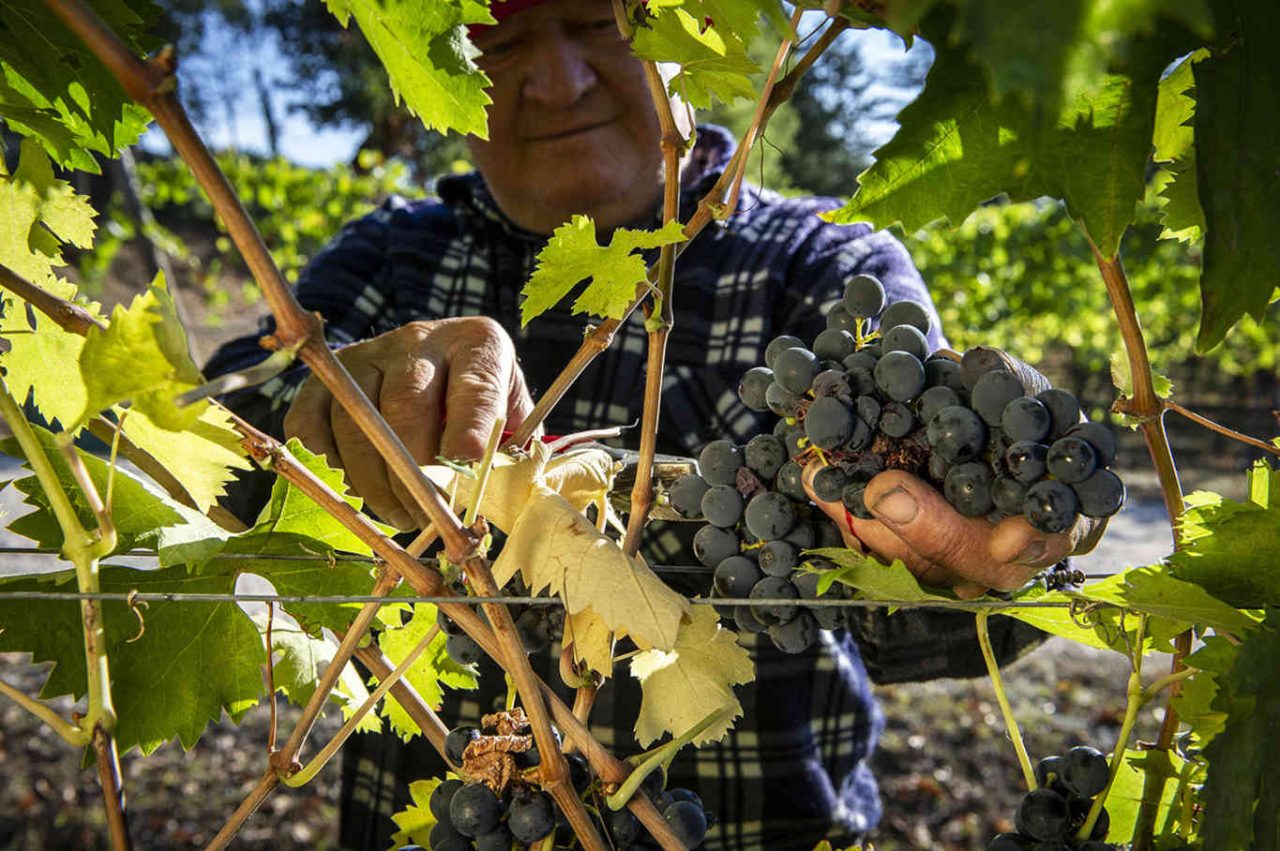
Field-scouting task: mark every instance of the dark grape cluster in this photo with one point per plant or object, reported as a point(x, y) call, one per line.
point(472, 816)
point(863, 402)
point(1052, 814)
point(538, 627)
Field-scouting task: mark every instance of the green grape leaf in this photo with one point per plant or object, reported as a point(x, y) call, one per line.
point(873, 579)
point(1237, 165)
point(695, 678)
point(957, 147)
point(1174, 134)
point(1180, 210)
point(430, 61)
point(1196, 694)
point(43, 361)
point(713, 59)
point(139, 514)
point(64, 97)
point(175, 666)
point(573, 255)
point(1264, 483)
point(1226, 550)
point(1151, 778)
point(1158, 593)
point(415, 821)
point(1242, 791)
point(203, 458)
point(290, 513)
point(142, 356)
point(299, 660)
point(432, 669)
point(309, 577)
point(40, 213)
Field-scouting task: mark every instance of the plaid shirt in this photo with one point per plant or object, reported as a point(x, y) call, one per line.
point(794, 769)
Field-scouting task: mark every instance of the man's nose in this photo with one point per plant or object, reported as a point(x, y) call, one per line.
point(561, 74)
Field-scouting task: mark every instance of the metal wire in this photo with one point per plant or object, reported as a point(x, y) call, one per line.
point(180, 597)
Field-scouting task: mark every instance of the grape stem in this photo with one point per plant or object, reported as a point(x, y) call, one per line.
point(1202, 420)
point(1002, 698)
point(659, 758)
point(72, 734)
point(1135, 698)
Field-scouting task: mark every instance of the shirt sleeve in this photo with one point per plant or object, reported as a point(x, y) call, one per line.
point(345, 284)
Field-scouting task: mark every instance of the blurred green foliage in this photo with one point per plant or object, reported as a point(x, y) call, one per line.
point(1021, 276)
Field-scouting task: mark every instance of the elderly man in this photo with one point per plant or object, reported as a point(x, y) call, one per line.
point(422, 297)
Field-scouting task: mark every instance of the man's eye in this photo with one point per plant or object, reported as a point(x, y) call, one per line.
point(500, 48)
point(604, 26)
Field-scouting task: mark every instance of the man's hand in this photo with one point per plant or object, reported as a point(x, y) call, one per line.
point(943, 548)
point(414, 375)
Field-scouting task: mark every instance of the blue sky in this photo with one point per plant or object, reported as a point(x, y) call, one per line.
point(236, 120)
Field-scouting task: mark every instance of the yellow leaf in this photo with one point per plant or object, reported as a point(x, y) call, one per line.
point(592, 642)
point(682, 687)
point(557, 548)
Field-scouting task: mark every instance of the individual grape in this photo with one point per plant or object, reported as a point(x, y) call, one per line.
point(790, 481)
point(938, 467)
point(1025, 418)
point(977, 362)
point(579, 769)
point(498, 839)
point(688, 822)
point(765, 454)
point(1071, 460)
point(828, 483)
point(463, 649)
point(861, 437)
point(1064, 410)
point(623, 827)
point(722, 506)
point(774, 587)
point(447, 626)
point(444, 838)
point(906, 312)
point(906, 338)
point(801, 536)
point(1010, 842)
point(796, 635)
point(1100, 438)
point(940, 371)
point(832, 382)
point(782, 401)
point(1085, 771)
point(1008, 494)
point(862, 359)
point(719, 462)
point(1080, 811)
point(1044, 815)
point(868, 410)
point(531, 816)
point(712, 545)
point(992, 393)
point(534, 628)
point(900, 375)
point(791, 440)
point(839, 318)
point(769, 516)
point(864, 296)
point(896, 419)
point(827, 534)
point(778, 558)
point(828, 423)
point(1100, 495)
point(1047, 770)
point(795, 368)
point(474, 810)
point(833, 345)
point(1051, 506)
point(735, 577)
point(865, 467)
point(438, 803)
point(862, 381)
point(751, 389)
point(1025, 461)
point(957, 434)
point(934, 399)
point(968, 488)
point(852, 497)
point(745, 618)
point(779, 345)
point(686, 495)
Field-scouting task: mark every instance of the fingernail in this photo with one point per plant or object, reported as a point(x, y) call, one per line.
point(896, 506)
point(1032, 553)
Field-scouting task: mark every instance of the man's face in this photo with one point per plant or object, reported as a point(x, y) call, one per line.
point(572, 128)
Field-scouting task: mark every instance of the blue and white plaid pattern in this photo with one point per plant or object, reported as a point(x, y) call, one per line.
point(794, 768)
